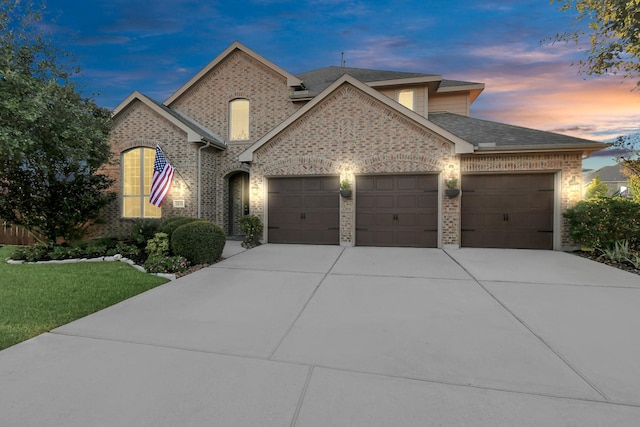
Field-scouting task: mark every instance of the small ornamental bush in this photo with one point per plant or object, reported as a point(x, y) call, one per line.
point(159, 245)
point(59, 252)
point(252, 227)
point(600, 223)
point(166, 264)
point(201, 242)
point(127, 250)
point(31, 253)
point(144, 229)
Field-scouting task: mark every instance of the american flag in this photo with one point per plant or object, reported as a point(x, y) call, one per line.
point(162, 177)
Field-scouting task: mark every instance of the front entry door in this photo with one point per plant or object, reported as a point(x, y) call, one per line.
point(238, 200)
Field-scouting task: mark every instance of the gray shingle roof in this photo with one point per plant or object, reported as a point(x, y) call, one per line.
point(206, 134)
point(493, 135)
point(318, 80)
point(608, 174)
point(455, 83)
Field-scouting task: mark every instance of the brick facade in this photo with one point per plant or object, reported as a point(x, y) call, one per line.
point(139, 126)
point(348, 132)
point(567, 166)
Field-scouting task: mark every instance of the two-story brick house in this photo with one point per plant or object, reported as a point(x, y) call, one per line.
point(249, 137)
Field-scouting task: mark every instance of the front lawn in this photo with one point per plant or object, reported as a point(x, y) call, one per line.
point(35, 298)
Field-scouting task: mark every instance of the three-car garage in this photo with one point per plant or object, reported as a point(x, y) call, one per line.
point(497, 210)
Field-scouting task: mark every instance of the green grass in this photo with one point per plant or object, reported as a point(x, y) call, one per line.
point(35, 298)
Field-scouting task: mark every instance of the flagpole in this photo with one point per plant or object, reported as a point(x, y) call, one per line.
point(176, 169)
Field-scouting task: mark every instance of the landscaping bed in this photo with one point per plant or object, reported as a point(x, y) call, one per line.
point(592, 255)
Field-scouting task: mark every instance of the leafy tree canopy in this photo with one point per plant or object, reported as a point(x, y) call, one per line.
point(596, 188)
point(612, 30)
point(52, 139)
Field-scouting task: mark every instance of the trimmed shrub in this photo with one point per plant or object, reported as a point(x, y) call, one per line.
point(169, 221)
point(600, 223)
point(201, 242)
point(171, 226)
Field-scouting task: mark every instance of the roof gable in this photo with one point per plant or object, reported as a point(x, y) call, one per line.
point(461, 146)
point(291, 79)
point(195, 132)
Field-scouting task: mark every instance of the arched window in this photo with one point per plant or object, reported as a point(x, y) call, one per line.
point(239, 120)
point(137, 171)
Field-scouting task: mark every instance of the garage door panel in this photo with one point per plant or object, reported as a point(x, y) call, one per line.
point(304, 210)
point(428, 220)
point(407, 220)
point(375, 238)
point(365, 183)
point(313, 219)
point(319, 235)
point(383, 219)
point(384, 201)
point(407, 201)
point(508, 211)
point(282, 185)
point(321, 202)
point(407, 183)
point(285, 218)
point(535, 220)
point(366, 201)
point(382, 183)
point(403, 207)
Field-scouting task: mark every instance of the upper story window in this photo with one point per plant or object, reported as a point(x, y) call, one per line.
point(239, 120)
point(137, 171)
point(405, 97)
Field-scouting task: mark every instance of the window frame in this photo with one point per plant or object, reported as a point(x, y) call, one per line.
point(413, 98)
point(145, 209)
point(247, 126)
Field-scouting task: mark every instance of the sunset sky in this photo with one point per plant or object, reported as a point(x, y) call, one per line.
point(156, 46)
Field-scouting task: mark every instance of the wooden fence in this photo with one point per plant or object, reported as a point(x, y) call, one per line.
point(14, 235)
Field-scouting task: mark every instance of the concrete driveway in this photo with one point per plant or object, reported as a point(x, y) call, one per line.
point(289, 335)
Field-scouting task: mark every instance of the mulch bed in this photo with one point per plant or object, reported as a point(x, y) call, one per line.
point(192, 269)
point(599, 258)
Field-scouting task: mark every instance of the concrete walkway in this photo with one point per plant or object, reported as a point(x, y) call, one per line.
point(292, 335)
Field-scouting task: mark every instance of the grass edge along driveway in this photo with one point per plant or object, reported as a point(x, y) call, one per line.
point(35, 298)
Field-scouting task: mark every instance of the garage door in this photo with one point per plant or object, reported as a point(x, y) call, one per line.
point(304, 210)
point(397, 210)
point(508, 211)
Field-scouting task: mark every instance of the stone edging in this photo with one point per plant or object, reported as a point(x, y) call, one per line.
point(116, 257)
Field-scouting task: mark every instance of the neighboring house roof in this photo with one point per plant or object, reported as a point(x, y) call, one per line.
point(608, 174)
point(492, 136)
point(195, 132)
point(292, 80)
point(461, 146)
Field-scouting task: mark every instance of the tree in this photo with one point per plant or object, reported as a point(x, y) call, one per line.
point(53, 141)
point(634, 186)
point(629, 153)
point(596, 189)
point(613, 32)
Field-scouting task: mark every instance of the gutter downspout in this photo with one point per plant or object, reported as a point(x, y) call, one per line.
point(200, 177)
